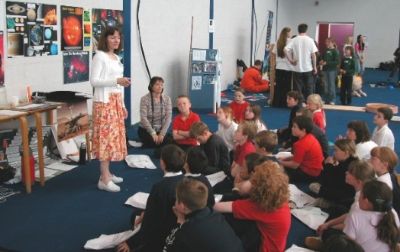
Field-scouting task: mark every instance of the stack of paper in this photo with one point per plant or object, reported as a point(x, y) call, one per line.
point(299, 198)
point(313, 217)
point(110, 241)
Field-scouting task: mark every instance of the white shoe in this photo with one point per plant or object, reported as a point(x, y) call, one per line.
point(116, 179)
point(315, 187)
point(109, 187)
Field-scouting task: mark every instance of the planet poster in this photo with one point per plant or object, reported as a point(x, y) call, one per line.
point(87, 30)
point(31, 29)
point(102, 18)
point(76, 66)
point(71, 28)
point(16, 15)
point(1, 59)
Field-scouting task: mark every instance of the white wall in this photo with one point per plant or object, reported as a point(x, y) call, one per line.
point(165, 28)
point(378, 20)
point(45, 73)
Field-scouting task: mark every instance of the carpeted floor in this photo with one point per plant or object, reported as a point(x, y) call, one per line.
point(69, 210)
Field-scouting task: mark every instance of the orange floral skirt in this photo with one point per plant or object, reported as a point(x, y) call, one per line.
point(108, 140)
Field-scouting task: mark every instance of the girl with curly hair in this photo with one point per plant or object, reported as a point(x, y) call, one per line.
point(267, 206)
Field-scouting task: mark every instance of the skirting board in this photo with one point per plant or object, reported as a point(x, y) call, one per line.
point(344, 108)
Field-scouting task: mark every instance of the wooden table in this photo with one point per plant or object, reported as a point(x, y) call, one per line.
point(21, 117)
point(37, 113)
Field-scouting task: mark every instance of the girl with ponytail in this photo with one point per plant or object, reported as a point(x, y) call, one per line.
point(375, 225)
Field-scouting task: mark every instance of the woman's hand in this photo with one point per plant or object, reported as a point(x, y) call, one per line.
point(322, 228)
point(125, 113)
point(123, 247)
point(124, 81)
point(160, 139)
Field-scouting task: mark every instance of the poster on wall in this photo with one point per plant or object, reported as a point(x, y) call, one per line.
point(267, 42)
point(15, 22)
point(76, 66)
point(72, 120)
point(31, 29)
point(87, 30)
point(41, 30)
point(71, 28)
point(1, 59)
point(103, 18)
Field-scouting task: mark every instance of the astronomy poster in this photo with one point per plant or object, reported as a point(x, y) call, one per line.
point(15, 22)
point(102, 18)
point(71, 28)
point(76, 66)
point(1, 59)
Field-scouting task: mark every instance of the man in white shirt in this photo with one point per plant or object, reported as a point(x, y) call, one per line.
point(300, 52)
point(383, 135)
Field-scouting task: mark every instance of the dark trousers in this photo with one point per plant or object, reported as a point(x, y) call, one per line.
point(297, 175)
point(304, 83)
point(148, 141)
point(346, 89)
point(282, 87)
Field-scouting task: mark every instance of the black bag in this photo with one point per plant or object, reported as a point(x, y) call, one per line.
point(7, 172)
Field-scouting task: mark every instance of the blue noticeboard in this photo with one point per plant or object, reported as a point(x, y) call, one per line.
point(204, 79)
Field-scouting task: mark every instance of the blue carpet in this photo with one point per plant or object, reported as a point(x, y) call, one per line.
point(69, 210)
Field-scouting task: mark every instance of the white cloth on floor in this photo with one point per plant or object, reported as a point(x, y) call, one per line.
point(110, 241)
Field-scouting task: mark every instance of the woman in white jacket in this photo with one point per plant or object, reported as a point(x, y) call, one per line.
point(109, 112)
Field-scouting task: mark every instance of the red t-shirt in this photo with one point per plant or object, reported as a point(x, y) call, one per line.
point(184, 125)
point(238, 110)
point(273, 226)
point(319, 119)
point(241, 151)
point(308, 153)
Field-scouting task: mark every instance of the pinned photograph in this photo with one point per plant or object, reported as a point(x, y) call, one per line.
point(196, 82)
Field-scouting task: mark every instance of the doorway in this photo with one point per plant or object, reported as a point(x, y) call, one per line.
point(338, 31)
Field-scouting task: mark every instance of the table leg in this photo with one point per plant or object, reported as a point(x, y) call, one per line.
point(25, 156)
point(39, 130)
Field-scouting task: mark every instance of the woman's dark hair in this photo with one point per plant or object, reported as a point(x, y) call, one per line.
point(109, 31)
point(380, 196)
point(174, 157)
point(360, 44)
point(153, 81)
point(361, 130)
point(280, 45)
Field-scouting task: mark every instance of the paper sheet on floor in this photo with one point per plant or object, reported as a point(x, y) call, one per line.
point(215, 178)
point(110, 241)
point(311, 216)
point(299, 198)
point(140, 161)
point(283, 155)
point(139, 200)
point(60, 166)
point(48, 173)
point(135, 143)
point(295, 248)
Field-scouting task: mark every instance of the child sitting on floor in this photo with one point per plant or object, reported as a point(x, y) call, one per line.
point(383, 135)
point(314, 104)
point(213, 146)
point(244, 145)
point(268, 208)
point(158, 218)
point(200, 228)
point(238, 105)
point(359, 173)
point(226, 126)
point(384, 160)
point(253, 115)
point(266, 142)
point(294, 101)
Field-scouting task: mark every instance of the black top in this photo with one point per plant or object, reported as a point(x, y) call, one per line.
point(286, 133)
point(321, 137)
point(217, 153)
point(204, 230)
point(158, 218)
point(333, 183)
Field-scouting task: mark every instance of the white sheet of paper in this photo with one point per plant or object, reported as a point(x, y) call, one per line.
point(140, 161)
point(48, 173)
point(138, 200)
point(61, 166)
point(199, 55)
point(300, 198)
point(110, 241)
point(218, 197)
point(135, 143)
point(6, 112)
point(283, 155)
point(215, 178)
point(313, 217)
point(295, 248)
